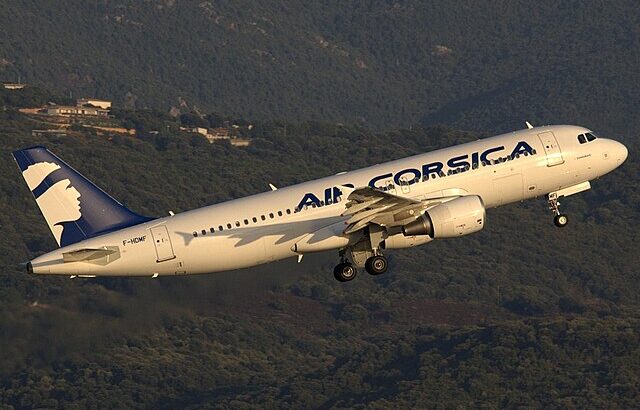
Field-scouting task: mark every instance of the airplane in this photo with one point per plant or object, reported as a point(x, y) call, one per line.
point(361, 213)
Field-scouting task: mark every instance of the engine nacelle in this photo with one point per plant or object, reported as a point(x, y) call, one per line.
point(460, 216)
point(399, 241)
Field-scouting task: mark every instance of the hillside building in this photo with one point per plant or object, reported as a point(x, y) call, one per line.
point(199, 130)
point(83, 102)
point(68, 110)
point(13, 86)
point(220, 133)
point(239, 142)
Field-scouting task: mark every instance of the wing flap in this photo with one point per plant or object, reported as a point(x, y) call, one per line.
point(357, 207)
point(359, 225)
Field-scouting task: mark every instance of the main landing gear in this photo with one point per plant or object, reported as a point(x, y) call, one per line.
point(560, 220)
point(365, 252)
point(346, 271)
point(374, 265)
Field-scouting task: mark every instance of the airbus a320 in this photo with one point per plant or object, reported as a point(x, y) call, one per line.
point(360, 214)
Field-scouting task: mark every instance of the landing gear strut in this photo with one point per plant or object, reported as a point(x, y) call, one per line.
point(364, 252)
point(560, 220)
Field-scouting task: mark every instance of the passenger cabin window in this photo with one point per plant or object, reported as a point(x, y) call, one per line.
point(271, 216)
point(254, 219)
point(279, 213)
point(220, 228)
point(263, 217)
point(212, 229)
point(246, 222)
point(288, 211)
point(228, 226)
point(238, 223)
point(204, 232)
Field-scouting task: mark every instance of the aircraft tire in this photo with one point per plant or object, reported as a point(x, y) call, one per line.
point(561, 220)
point(345, 272)
point(376, 265)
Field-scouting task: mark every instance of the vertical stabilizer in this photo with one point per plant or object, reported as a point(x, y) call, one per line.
point(74, 208)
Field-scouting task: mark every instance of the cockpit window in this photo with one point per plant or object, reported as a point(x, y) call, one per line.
point(588, 137)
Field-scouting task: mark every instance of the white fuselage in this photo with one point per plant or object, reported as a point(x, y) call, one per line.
point(265, 227)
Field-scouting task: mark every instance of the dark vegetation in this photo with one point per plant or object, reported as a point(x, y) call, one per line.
point(519, 314)
point(473, 65)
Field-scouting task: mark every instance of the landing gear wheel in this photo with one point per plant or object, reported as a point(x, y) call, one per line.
point(560, 220)
point(376, 265)
point(344, 272)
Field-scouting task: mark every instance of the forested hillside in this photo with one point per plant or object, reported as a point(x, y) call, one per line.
point(520, 314)
point(474, 65)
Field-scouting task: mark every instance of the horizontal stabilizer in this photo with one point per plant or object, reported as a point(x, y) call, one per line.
point(89, 254)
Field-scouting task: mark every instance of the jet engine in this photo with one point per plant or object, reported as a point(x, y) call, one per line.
point(460, 216)
point(399, 241)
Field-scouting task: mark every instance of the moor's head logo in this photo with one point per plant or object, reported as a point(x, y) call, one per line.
point(59, 202)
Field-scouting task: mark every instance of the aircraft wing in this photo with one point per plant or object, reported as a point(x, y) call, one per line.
point(369, 205)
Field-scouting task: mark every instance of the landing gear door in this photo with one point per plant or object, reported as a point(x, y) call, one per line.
point(551, 148)
point(162, 242)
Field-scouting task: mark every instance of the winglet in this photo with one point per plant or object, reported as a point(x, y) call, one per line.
point(273, 187)
point(529, 126)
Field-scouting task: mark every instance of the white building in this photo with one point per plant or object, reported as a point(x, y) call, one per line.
point(106, 105)
point(13, 86)
point(68, 110)
point(200, 130)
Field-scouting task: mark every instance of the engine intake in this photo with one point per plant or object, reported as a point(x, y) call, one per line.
point(460, 216)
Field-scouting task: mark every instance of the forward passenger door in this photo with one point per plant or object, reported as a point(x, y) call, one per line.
point(551, 148)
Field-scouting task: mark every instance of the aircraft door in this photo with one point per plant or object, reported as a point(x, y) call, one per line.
point(551, 148)
point(162, 242)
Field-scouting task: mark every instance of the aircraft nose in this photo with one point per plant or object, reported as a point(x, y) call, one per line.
point(623, 154)
point(620, 152)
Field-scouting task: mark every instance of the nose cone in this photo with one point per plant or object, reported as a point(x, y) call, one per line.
point(614, 154)
point(620, 153)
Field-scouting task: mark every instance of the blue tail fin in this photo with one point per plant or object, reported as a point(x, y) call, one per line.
point(74, 208)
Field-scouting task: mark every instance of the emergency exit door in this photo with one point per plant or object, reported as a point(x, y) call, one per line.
point(162, 242)
point(551, 148)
